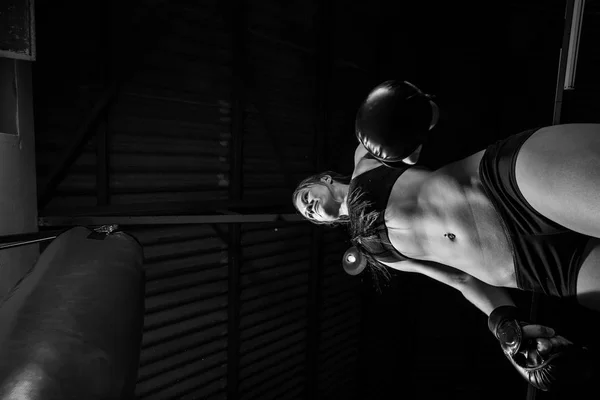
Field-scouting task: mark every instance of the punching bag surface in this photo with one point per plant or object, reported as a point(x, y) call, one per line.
point(71, 328)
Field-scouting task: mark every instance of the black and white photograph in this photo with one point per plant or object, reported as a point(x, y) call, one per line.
point(299, 200)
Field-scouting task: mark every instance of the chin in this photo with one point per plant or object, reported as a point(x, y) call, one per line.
point(331, 218)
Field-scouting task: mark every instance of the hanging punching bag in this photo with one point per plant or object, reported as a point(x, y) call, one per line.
point(72, 327)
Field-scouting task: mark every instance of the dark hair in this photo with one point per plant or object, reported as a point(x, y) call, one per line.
point(364, 236)
point(316, 179)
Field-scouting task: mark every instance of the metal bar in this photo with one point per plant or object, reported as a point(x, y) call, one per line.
point(102, 195)
point(562, 63)
point(238, 106)
point(258, 206)
point(233, 331)
point(27, 236)
point(25, 243)
point(166, 219)
point(573, 50)
point(324, 17)
point(103, 131)
point(220, 233)
point(23, 239)
point(236, 185)
point(81, 136)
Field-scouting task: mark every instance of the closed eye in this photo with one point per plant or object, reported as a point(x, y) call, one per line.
point(305, 201)
point(309, 209)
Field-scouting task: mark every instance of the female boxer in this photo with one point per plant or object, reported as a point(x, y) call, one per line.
point(521, 214)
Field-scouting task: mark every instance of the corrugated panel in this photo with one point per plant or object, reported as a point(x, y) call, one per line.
point(178, 152)
point(263, 173)
point(170, 126)
point(273, 323)
point(169, 141)
point(184, 346)
point(340, 319)
point(278, 110)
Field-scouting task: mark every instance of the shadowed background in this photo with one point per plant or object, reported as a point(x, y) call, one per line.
point(217, 109)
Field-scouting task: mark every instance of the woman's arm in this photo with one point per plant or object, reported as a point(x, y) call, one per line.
point(359, 153)
point(485, 297)
point(545, 367)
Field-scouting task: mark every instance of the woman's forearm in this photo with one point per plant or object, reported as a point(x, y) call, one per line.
point(485, 297)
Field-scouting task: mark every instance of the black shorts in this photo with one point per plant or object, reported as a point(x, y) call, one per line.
point(547, 256)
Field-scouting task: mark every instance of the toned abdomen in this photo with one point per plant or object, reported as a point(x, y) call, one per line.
point(456, 225)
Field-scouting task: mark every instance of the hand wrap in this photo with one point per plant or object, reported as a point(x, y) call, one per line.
point(563, 363)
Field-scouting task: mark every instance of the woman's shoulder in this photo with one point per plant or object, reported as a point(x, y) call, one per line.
point(365, 165)
point(362, 163)
point(359, 153)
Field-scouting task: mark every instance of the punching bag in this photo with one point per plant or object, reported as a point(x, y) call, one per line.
point(72, 327)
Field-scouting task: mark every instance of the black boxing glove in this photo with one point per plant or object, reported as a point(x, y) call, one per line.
point(545, 362)
point(393, 121)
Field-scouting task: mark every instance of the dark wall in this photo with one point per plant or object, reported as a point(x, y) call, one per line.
point(492, 68)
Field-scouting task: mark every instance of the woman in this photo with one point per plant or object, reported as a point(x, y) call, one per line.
point(521, 214)
point(459, 215)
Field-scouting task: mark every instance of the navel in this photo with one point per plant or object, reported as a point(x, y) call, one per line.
point(450, 236)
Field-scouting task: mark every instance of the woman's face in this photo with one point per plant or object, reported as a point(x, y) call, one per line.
point(317, 202)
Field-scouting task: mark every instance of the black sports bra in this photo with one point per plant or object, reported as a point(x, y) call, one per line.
point(367, 200)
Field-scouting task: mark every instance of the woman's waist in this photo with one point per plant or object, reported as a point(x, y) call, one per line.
point(481, 250)
point(496, 270)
